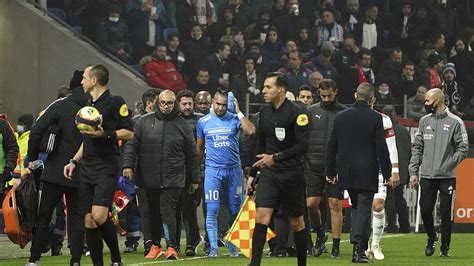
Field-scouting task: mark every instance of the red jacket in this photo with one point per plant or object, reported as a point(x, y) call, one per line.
point(163, 74)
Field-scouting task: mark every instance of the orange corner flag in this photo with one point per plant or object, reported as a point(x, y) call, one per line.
point(241, 232)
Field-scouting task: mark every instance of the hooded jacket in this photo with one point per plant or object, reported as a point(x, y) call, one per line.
point(162, 152)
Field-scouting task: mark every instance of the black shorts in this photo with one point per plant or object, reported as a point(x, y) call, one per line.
point(282, 189)
point(98, 182)
point(316, 184)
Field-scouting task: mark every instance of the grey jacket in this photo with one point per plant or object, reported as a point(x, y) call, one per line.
point(440, 145)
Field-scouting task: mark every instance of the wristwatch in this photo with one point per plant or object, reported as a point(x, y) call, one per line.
point(73, 162)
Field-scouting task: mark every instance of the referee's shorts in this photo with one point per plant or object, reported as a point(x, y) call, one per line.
point(98, 182)
point(316, 184)
point(282, 189)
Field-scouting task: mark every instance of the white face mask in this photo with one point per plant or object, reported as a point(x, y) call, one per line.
point(20, 129)
point(383, 93)
point(114, 19)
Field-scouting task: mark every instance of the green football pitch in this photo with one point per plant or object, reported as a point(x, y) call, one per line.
point(399, 249)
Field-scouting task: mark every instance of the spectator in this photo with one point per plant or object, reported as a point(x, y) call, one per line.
point(421, 30)
point(347, 55)
point(350, 16)
point(383, 95)
point(446, 21)
point(369, 32)
point(273, 50)
point(216, 63)
point(406, 83)
point(290, 23)
point(195, 50)
point(352, 76)
point(203, 82)
point(278, 10)
point(146, 21)
point(464, 62)
point(468, 111)
point(295, 71)
point(226, 22)
point(453, 93)
point(161, 73)
point(305, 95)
point(416, 104)
point(241, 13)
point(436, 44)
point(314, 80)
point(23, 128)
point(402, 25)
point(329, 30)
point(148, 147)
point(170, 6)
point(176, 56)
point(248, 82)
point(290, 45)
point(305, 44)
point(258, 31)
point(430, 75)
point(322, 64)
point(112, 35)
point(255, 51)
point(390, 69)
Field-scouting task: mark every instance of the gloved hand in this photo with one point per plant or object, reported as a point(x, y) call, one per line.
point(7, 174)
point(122, 182)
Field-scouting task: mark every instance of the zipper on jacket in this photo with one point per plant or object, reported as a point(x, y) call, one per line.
point(435, 130)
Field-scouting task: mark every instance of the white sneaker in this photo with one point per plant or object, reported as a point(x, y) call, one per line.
point(377, 251)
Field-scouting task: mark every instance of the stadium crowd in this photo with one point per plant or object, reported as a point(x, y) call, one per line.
point(197, 48)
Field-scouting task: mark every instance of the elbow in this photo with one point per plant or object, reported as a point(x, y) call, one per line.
point(249, 132)
point(128, 136)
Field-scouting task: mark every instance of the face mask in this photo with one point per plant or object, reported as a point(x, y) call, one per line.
point(328, 104)
point(430, 108)
point(20, 129)
point(383, 93)
point(114, 19)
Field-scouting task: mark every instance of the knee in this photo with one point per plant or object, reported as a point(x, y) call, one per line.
point(313, 202)
point(89, 222)
point(378, 205)
point(335, 205)
point(262, 218)
point(98, 217)
point(297, 224)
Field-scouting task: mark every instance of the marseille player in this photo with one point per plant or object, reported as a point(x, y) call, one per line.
point(219, 132)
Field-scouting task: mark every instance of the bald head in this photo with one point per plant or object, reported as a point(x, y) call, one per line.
point(365, 92)
point(202, 102)
point(434, 101)
point(434, 93)
point(167, 101)
point(203, 95)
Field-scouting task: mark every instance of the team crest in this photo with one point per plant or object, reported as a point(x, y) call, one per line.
point(302, 120)
point(123, 110)
point(280, 133)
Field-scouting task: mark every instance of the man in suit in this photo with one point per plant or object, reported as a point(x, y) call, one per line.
point(357, 141)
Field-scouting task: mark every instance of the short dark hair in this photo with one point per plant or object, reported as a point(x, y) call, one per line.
point(114, 9)
point(328, 84)
point(184, 93)
point(63, 92)
point(150, 95)
point(305, 88)
point(195, 24)
point(221, 45)
point(222, 92)
point(409, 63)
point(297, 52)
point(174, 34)
point(363, 52)
point(281, 79)
point(101, 73)
point(158, 44)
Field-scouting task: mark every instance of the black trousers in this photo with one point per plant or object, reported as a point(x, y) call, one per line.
point(361, 216)
point(144, 210)
point(395, 204)
point(186, 215)
point(447, 193)
point(163, 203)
point(50, 196)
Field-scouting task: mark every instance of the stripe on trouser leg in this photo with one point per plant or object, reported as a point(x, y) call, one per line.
point(453, 199)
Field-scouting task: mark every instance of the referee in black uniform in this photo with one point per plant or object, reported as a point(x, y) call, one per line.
point(99, 158)
point(282, 140)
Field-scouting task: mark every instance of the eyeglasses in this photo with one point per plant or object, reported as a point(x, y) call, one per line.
point(167, 103)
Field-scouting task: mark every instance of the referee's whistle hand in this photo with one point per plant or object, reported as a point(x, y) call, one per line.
point(68, 170)
point(266, 160)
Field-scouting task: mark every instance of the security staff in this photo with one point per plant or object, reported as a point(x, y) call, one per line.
point(321, 117)
point(440, 145)
point(99, 158)
point(356, 151)
point(8, 153)
point(61, 114)
point(282, 139)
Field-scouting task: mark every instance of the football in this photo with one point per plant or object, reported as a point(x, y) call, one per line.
point(88, 118)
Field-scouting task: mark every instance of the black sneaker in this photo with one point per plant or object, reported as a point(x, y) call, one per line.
point(131, 248)
point(147, 247)
point(335, 253)
point(320, 247)
point(430, 246)
point(291, 251)
point(207, 248)
point(444, 251)
point(190, 251)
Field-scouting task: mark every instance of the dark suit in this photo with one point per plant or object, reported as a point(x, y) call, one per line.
point(356, 149)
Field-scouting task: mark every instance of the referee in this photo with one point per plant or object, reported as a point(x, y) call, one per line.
point(282, 139)
point(99, 157)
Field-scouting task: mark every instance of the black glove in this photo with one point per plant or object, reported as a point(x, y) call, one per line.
point(7, 174)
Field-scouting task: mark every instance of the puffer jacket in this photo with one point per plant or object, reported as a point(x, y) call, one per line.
point(162, 151)
point(321, 122)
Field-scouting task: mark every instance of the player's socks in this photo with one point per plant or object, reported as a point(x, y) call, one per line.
point(109, 234)
point(95, 245)
point(335, 243)
point(258, 241)
point(320, 231)
point(300, 242)
point(378, 223)
point(211, 223)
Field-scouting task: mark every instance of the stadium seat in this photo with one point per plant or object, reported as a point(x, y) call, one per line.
point(167, 33)
point(138, 68)
point(57, 13)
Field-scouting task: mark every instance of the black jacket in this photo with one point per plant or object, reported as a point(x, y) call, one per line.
point(404, 151)
point(321, 121)
point(357, 147)
point(9, 146)
point(166, 151)
point(61, 112)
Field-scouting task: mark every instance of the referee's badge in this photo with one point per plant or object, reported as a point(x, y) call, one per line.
point(280, 133)
point(302, 120)
point(123, 110)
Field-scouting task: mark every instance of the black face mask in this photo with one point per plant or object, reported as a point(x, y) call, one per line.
point(430, 108)
point(329, 104)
